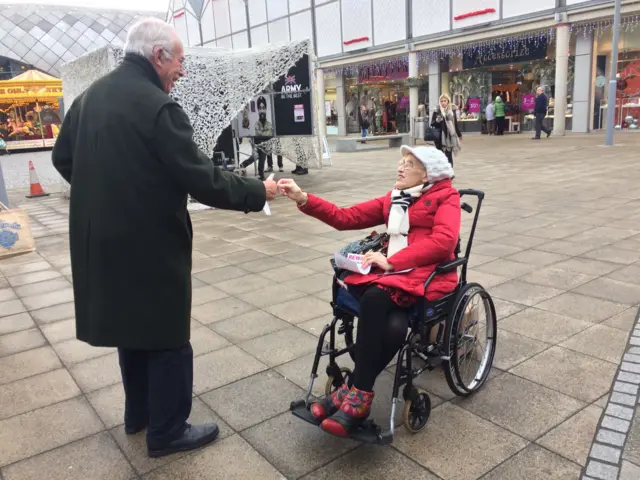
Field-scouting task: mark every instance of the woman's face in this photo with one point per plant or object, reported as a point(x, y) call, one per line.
point(444, 103)
point(410, 173)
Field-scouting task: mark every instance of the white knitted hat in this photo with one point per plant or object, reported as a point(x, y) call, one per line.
point(434, 160)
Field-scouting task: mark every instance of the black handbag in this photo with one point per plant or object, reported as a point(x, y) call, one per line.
point(432, 134)
point(375, 242)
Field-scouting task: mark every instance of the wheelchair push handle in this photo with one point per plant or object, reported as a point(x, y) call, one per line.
point(470, 191)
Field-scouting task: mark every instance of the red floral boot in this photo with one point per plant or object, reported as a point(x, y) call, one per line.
point(354, 410)
point(329, 405)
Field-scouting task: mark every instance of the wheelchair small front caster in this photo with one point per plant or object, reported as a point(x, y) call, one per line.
point(329, 388)
point(417, 409)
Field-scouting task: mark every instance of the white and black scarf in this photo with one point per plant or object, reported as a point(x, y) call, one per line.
point(398, 224)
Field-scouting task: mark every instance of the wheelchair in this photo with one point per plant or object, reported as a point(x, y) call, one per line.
point(454, 345)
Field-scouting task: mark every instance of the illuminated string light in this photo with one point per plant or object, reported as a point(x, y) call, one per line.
point(500, 44)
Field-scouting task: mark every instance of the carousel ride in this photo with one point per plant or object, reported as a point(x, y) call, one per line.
point(29, 110)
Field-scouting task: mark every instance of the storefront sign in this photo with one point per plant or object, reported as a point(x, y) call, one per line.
point(500, 55)
point(528, 101)
point(473, 105)
point(20, 91)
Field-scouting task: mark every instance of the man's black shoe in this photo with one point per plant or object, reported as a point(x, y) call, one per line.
point(302, 171)
point(195, 436)
point(296, 170)
point(549, 133)
point(535, 138)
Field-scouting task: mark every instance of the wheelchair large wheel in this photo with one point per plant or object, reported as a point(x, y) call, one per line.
point(470, 340)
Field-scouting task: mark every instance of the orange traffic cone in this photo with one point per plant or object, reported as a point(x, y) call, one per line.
point(36, 188)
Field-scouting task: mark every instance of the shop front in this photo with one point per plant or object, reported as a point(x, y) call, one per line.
point(384, 92)
point(512, 72)
point(330, 103)
point(29, 110)
point(627, 106)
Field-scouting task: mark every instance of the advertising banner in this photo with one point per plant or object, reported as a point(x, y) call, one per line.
point(256, 120)
point(528, 101)
point(473, 105)
point(292, 101)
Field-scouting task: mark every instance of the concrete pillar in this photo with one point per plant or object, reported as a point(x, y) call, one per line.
point(562, 71)
point(434, 86)
point(444, 83)
point(583, 84)
point(322, 114)
point(341, 106)
point(592, 97)
point(413, 94)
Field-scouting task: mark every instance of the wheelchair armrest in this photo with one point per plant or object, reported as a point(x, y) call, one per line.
point(450, 266)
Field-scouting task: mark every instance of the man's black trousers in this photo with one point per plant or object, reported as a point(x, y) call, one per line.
point(158, 388)
point(540, 124)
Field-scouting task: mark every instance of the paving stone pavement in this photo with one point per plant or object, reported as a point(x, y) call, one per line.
point(557, 246)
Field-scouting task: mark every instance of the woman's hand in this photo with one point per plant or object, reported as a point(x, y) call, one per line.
point(377, 259)
point(290, 188)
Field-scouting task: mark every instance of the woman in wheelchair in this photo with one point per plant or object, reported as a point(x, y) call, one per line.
point(422, 214)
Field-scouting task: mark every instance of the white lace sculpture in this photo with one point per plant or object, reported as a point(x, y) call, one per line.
point(217, 86)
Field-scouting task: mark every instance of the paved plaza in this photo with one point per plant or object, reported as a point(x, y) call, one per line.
point(557, 246)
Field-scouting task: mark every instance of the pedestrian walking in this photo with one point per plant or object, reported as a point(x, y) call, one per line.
point(444, 119)
point(490, 114)
point(270, 163)
point(542, 104)
point(364, 122)
point(127, 149)
point(499, 111)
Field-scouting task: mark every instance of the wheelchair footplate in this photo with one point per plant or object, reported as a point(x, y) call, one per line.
point(368, 432)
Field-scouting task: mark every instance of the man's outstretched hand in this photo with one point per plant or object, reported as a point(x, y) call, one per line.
point(271, 189)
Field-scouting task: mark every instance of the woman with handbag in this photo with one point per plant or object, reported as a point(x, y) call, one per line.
point(422, 214)
point(444, 119)
point(364, 122)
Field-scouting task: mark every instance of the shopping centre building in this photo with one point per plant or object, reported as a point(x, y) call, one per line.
point(397, 57)
point(34, 41)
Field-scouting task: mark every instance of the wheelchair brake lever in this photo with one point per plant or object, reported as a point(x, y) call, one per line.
point(466, 207)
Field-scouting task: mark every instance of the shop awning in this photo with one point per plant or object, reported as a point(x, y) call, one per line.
point(31, 85)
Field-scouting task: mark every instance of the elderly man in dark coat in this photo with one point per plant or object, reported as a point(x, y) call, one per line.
point(127, 149)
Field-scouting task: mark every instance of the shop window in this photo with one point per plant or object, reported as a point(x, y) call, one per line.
point(515, 83)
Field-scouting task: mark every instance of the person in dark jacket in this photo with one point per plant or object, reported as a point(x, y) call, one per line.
point(444, 119)
point(542, 103)
point(127, 149)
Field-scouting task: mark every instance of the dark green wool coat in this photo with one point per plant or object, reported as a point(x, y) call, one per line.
point(127, 149)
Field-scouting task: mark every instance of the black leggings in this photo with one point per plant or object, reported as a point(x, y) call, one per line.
point(382, 330)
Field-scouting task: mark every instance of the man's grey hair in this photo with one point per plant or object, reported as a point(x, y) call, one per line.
point(149, 33)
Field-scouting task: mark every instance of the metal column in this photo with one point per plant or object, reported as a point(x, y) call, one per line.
point(611, 99)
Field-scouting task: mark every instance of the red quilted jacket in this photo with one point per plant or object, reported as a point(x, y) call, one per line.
point(434, 229)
